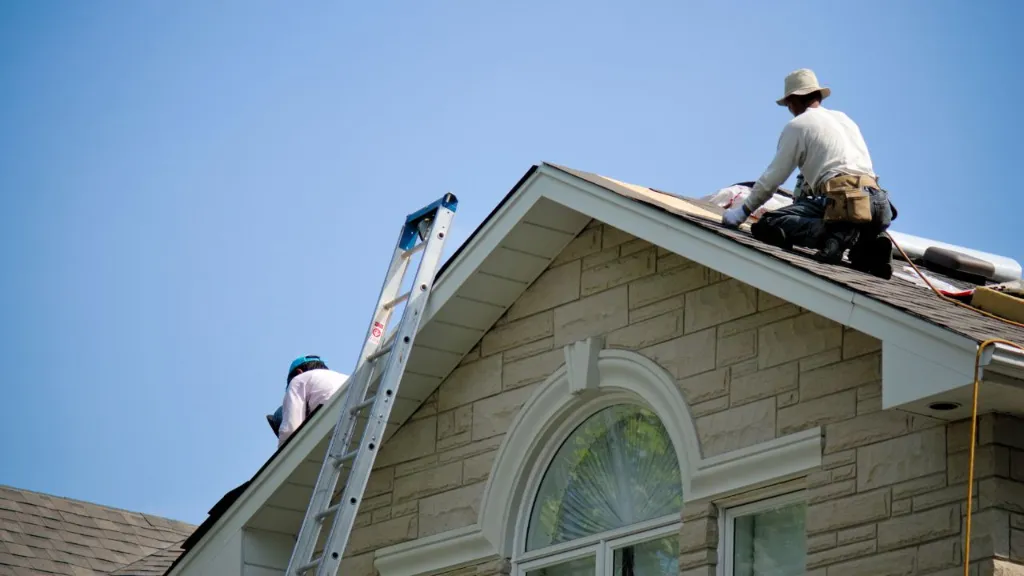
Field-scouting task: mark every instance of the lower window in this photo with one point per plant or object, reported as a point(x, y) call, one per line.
point(766, 538)
point(652, 553)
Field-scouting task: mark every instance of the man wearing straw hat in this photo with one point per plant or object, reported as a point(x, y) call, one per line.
point(837, 201)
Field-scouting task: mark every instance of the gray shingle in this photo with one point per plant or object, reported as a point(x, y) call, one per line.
point(42, 534)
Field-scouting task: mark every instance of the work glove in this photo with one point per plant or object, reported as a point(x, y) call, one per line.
point(735, 216)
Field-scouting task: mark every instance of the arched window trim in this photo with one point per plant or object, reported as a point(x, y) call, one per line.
point(545, 459)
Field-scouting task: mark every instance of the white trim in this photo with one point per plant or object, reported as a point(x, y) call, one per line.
point(445, 551)
point(726, 525)
point(581, 362)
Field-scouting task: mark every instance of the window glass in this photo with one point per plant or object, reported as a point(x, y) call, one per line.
point(652, 558)
point(616, 469)
point(579, 567)
point(770, 543)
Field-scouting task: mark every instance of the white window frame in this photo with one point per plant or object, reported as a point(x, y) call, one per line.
point(727, 524)
point(602, 545)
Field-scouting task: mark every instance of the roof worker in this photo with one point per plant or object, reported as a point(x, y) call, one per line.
point(838, 203)
point(310, 384)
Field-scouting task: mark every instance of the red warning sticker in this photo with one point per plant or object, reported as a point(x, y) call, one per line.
point(376, 332)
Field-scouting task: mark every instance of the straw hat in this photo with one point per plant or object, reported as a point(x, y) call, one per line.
point(800, 82)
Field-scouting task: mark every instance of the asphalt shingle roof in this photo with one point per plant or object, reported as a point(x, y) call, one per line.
point(42, 534)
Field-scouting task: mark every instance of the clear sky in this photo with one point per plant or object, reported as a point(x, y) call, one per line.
point(195, 192)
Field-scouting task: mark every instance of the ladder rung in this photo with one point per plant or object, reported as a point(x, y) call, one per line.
point(408, 253)
point(397, 301)
point(313, 564)
point(346, 458)
point(330, 510)
point(369, 401)
point(380, 352)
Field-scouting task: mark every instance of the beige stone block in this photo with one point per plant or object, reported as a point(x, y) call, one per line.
point(456, 440)
point(471, 382)
point(531, 369)
point(942, 496)
point(618, 272)
point(821, 359)
point(867, 430)
point(478, 468)
point(787, 399)
point(1001, 493)
point(531, 349)
point(519, 332)
point(695, 509)
point(602, 257)
point(991, 460)
point(361, 565)
point(1016, 465)
point(900, 459)
point(818, 412)
point(844, 472)
point(766, 301)
point(919, 486)
point(556, 286)
point(470, 450)
point(831, 491)
point(958, 436)
point(709, 407)
point(471, 356)
point(591, 316)
point(845, 375)
point(647, 333)
point(837, 459)
point(795, 338)
point(695, 559)
point(587, 242)
point(857, 343)
point(381, 480)
point(763, 383)
point(1016, 520)
point(656, 309)
point(901, 507)
point(672, 261)
point(719, 303)
point(428, 482)
point(758, 320)
point(990, 534)
point(613, 237)
point(634, 246)
point(869, 405)
point(386, 533)
point(1017, 545)
point(897, 563)
point(1002, 429)
point(415, 439)
point(840, 554)
point(869, 391)
point(687, 355)
point(1000, 568)
point(817, 478)
point(405, 508)
point(427, 408)
point(492, 416)
point(705, 386)
point(858, 534)
point(667, 284)
point(737, 427)
point(737, 348)
point(413, 466)
point(918, 527)
point(847, 512)
point(450, 510)
point(821, 542)
point(939, 555)
point(452, 422)
point(698, 534)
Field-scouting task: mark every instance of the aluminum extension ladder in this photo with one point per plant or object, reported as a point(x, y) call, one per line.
point(430, 226)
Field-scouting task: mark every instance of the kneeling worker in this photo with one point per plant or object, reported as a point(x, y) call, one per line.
point(310, 384)
point(838, 203)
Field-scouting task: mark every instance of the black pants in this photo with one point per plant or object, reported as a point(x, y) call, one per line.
point(802, 223)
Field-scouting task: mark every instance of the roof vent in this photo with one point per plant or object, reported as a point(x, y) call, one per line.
point(966, 263)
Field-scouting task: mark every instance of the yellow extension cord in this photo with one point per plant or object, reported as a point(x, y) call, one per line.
point(974, 402)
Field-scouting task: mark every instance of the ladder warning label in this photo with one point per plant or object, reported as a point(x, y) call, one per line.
point(376, 332)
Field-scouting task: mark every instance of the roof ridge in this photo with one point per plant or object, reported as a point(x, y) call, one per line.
point(114, 508)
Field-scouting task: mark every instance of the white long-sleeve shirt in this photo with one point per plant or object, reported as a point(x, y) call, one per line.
point(823, 143)
point(305, 392)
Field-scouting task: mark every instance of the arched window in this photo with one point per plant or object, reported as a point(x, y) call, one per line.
point(608, 502)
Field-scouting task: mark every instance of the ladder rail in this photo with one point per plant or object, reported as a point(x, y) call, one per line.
point(355, 485)
point(431, 225)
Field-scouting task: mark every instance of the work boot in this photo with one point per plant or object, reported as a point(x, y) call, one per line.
point(831, 251)
point(873, 257)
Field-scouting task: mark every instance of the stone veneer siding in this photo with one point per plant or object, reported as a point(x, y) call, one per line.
point(887, 501)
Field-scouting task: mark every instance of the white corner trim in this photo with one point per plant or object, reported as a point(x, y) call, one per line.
point(765, 463)
point(443, 551)
point(581, 361)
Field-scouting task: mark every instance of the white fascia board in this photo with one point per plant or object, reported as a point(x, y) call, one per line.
point(762, 271)
point(1003, 359)
point(264, 484)
point(444, 551)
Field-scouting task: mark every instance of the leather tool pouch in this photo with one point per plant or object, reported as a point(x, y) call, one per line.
point(847, 200)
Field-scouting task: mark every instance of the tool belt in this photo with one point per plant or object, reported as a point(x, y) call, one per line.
point(847, 198)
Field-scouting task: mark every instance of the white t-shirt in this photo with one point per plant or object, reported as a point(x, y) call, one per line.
point(305, 392)
point(823, 143)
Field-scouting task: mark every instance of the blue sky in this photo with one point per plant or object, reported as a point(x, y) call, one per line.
point(195, 192)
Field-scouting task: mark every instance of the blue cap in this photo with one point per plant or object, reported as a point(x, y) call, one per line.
point(302, 360)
